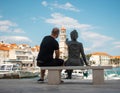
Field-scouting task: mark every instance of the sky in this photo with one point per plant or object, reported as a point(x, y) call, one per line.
point(96, 21)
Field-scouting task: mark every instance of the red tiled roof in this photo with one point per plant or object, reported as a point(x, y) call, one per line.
point(115, 57)
point(35, 48)
point(4, 47)
point(13, 46)
point(100, 53)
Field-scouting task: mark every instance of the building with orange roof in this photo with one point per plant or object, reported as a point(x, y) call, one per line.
point(4, 52)
point(13, 46)
point(100, 53)
point(100, 58)
point(113, 57)
point(115, 60)
point(35, 51)
point(35, 48)
point(23, 46)
point(22, 52)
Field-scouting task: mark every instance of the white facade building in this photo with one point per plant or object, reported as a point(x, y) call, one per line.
point(4, 52)
point(23, 54)
point(100, 58)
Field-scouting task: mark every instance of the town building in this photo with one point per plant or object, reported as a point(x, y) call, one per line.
point(21, 54)
point(100, 59)
point(115, 60)
point(27, 55)
point(4, 52)
point(62, 44)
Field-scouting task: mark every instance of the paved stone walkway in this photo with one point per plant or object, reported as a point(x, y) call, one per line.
point(69, 86)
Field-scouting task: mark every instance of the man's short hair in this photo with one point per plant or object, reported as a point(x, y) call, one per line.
point(55, 31)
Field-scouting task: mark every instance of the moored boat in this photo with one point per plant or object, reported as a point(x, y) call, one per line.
point(13, 71)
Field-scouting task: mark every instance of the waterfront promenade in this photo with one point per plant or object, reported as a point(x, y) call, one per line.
point(69, 86)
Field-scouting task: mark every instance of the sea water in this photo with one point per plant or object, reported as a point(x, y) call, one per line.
point(109, 74)
point(113, 73)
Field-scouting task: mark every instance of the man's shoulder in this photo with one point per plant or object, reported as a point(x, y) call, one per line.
point(47, 36)
point(50, 39)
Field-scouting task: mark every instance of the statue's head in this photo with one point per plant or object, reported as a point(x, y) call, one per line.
point(74, 35)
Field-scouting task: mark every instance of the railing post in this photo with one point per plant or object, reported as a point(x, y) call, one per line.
point(98, 76)
point(54, 77)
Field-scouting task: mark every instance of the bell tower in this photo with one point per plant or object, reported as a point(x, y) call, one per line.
point(62, 44)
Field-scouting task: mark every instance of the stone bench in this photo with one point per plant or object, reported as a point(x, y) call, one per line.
point(54, 75)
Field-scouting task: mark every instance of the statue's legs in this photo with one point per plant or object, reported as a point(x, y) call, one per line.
point(69, 74)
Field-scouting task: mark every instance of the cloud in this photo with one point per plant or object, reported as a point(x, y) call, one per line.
point(1, 16)
point(68, 22)
point(18, 30)
point(15, 39)
point(7, 23)
point(96, 40)
point(117, 44)
point(4, 28)
point(8, 26)
point(44, 3)
point(36, 19)
point(67, 6)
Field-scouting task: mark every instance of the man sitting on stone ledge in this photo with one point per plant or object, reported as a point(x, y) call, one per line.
point(76, 55)
point(48, 46)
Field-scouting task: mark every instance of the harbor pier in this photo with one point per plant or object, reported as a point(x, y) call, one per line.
point(69, 86)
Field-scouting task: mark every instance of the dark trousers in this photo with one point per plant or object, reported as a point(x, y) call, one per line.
point(69, 74)
point(54, 62)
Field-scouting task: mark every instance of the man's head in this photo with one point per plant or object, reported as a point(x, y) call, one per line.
point(55, 32)
point(74, 35)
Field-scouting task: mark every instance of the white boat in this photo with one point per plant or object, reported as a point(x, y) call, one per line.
point(75, 74)
point(111, 75)
point(8, 68)
point(8, 71)
point(78, 74)
point(14, 71)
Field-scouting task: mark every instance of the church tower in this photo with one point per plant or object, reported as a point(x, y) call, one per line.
point(62, 44)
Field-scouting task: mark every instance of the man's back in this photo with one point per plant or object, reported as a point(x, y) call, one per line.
point(47, 47)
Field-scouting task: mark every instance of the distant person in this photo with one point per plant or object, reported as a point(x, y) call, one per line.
point(85, 73)
point(76, 55)
point(47, 48)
